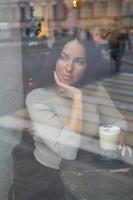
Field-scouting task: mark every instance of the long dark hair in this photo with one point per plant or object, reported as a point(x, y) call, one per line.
point(46, 76)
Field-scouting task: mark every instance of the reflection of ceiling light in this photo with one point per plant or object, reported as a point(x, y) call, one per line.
point(75, 3)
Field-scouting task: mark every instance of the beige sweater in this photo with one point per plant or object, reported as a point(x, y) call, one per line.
point(49, 113)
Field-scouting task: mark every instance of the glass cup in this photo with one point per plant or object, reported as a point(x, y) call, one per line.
point(109, 140)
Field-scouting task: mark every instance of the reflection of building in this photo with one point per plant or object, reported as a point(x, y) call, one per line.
point(85, 13)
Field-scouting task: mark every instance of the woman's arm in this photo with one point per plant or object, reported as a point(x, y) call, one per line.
point(75, 120)
point(109, 114)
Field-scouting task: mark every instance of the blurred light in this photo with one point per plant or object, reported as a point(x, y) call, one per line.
point(75, 4)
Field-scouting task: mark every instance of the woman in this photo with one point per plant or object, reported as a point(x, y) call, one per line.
point(61, 112)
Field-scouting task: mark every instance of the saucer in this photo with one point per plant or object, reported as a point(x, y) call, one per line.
point(109, 156)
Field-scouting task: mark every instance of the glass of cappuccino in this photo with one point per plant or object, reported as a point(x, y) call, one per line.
point(109, 140)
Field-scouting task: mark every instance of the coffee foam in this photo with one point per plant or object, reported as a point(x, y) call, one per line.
point(109, 129)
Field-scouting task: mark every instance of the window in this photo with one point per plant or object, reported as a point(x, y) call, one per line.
point(59, 12)
point(22, 13)
point(87, 10)
point(130, 8)
point(104, 8)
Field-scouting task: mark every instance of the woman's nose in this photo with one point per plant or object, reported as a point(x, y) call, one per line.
point(69, 66)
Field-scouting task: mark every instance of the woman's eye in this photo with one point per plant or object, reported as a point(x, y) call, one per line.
point(80, 61)
point(63, 57)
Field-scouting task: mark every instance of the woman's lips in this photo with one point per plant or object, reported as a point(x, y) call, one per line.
point(67, 77)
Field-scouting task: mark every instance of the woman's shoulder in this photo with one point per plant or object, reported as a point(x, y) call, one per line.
point(100, 88)
point(38, 95)
point(94, 85)
point(95, 89)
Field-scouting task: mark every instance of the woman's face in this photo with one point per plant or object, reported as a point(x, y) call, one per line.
point(71, 65)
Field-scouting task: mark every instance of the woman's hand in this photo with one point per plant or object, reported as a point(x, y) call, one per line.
point(67, 90)
point(124, 149)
